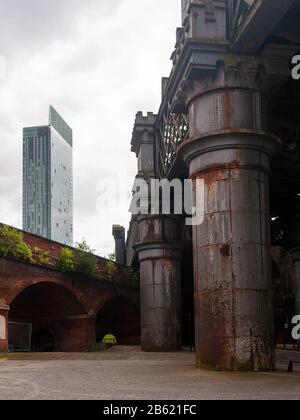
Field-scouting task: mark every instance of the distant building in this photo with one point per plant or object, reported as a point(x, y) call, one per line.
point(48, 180)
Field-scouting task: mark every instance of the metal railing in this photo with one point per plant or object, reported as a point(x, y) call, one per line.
point(20, 335)
point(172, 130)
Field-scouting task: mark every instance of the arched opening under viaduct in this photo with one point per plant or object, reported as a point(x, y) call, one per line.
point(121, 317)
point(50, 318)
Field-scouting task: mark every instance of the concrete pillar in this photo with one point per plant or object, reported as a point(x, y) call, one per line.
point(159, 256)
point(120, 247)
point(4, 309)
point(229, 149)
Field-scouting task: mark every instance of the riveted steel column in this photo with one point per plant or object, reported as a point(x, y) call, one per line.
point(159, 256)
point(229, 150)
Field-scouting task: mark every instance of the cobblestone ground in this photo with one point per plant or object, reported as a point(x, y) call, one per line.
point(127, 373)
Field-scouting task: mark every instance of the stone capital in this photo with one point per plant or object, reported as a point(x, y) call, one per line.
point(229, 71)
point(250, 149)
point(202, 66)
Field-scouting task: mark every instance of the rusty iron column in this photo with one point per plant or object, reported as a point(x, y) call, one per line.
point(158, 252)
point(159, 255)
point(231, 150)
point(4, 309)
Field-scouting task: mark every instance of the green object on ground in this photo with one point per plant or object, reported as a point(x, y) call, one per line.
point(109, 339)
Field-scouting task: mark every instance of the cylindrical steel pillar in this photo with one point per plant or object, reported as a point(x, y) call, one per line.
point(232, 249)
point(159, 256)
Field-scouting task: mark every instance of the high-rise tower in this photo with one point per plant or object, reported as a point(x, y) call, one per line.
point(48, 180)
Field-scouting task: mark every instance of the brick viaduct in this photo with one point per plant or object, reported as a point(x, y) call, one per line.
point(72, 309)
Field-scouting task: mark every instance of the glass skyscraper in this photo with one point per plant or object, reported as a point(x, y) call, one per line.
point(48, 180)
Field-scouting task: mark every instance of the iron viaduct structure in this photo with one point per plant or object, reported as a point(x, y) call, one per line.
point(229, 116)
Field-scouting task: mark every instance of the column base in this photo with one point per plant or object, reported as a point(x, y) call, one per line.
point(246, 362)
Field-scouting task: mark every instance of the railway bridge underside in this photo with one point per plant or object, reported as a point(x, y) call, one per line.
point(229, 116)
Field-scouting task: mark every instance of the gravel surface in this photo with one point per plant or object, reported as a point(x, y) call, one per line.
point(127, 373)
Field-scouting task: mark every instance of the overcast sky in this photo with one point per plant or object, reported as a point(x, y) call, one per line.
point(97, 62)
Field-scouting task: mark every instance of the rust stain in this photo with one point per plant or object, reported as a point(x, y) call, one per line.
point(210, 177)
point(225, 250)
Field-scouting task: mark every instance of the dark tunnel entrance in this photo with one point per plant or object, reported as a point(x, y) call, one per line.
point(119, 317)
point(42, 341)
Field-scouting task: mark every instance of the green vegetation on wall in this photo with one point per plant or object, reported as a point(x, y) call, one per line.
point(12, 244)
point(67, 260)
point(41, 257)
point(81, 259)
point(86, 261)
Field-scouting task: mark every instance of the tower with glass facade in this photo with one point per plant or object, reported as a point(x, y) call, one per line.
point(48, 180)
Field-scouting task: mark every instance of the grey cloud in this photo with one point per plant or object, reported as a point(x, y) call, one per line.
point(97, 62)
point(31, 24)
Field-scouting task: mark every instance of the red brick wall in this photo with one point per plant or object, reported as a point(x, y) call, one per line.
point(73, 329)
point(70, 335)
point(54, 248)
point(72, 324)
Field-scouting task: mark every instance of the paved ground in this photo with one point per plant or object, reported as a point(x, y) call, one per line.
point(127, 373)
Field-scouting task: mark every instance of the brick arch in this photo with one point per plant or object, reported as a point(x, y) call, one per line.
point(104, 299)
point(76, 293)
point(101, 302)
point(76, 333)
point(53, 310)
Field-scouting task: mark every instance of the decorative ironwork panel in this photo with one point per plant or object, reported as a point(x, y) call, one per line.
point(173, 130)
point(237, 12)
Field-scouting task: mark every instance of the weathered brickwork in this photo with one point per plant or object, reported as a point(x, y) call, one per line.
point(67, 305)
